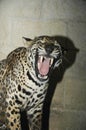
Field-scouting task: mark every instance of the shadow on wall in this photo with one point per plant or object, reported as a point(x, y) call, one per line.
point(69, 57)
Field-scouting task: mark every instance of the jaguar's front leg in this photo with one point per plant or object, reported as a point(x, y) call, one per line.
point(35, 119)
point(13, 117)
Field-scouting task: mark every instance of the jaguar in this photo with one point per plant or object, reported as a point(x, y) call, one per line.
point(24, 77)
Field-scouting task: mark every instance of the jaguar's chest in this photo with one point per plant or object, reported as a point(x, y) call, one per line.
point(26, 92)
point(31, 96)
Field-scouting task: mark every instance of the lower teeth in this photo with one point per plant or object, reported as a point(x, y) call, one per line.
point(42, 76)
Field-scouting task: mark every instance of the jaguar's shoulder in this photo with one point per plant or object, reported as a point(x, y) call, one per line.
point(19, 52)
point(11, 59)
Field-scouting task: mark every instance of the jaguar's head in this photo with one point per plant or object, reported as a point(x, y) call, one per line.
point(45, 54)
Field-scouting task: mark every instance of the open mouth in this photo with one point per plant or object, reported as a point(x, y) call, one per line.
point(44, 65)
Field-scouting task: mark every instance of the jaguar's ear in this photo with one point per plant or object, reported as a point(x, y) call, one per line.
point(27, 41)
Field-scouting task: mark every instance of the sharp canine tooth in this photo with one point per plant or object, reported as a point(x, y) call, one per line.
point(41, 58)
point(51, 61)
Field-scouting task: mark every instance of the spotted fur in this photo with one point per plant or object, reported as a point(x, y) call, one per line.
point(24, 77)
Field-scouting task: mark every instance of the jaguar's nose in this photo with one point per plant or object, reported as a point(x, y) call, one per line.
point(49, 48)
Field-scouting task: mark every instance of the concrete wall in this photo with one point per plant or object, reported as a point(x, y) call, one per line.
point(52, 17)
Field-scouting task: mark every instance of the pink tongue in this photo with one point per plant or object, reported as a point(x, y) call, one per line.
point(44, 67)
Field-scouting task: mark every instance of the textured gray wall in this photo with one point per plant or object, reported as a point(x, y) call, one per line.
point(66, 18)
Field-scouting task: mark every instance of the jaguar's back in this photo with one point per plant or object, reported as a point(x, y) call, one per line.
point(3, 69)
point(6, 66)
